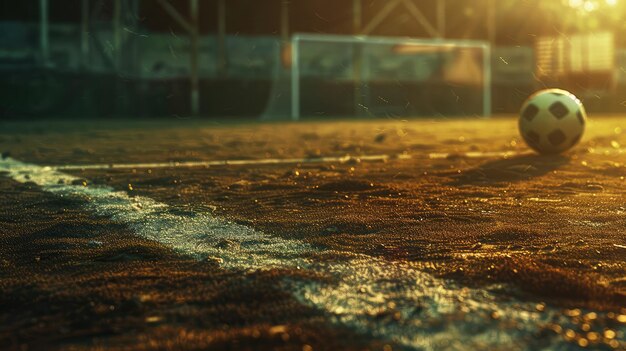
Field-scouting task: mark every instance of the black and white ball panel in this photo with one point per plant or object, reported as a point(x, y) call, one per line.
point(552, 121)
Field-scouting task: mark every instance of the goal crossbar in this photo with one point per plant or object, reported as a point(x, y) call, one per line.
point(407, 44)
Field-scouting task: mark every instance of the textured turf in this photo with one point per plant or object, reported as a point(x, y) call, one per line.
point(550, 228)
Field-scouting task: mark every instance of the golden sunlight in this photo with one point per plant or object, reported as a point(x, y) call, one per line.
point(590, 5)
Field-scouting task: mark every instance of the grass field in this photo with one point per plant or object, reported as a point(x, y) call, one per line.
point(378, 234)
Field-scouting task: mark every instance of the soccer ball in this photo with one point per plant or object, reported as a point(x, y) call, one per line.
point(552, 121)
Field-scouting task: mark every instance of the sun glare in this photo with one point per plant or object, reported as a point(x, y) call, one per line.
point(591, 5)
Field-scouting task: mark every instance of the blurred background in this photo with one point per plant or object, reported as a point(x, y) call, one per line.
point(276, 59)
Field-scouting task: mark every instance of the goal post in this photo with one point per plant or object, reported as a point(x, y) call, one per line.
point(344, 76)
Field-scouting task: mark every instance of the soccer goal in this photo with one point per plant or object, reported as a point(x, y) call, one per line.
point(344, 76)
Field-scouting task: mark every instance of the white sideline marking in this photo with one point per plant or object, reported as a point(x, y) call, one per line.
point(389, 300)
point(473, 154)
point(267, 161)
point(277, 161)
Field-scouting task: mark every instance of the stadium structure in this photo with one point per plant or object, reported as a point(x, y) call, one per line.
point(273, 59)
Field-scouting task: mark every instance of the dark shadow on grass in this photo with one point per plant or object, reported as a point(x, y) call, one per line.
point(519, 168)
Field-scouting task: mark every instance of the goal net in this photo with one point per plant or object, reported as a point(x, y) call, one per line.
point(345, 76)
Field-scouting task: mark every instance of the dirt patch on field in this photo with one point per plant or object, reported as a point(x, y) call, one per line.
point(70, 280)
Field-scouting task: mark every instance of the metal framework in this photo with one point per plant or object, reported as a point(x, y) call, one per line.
point(191, 27)
point(436, 28)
